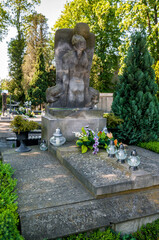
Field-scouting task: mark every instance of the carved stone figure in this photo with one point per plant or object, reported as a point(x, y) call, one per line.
point(74, 50)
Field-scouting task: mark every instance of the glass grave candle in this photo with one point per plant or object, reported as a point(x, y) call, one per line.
point(58, 139)
point(121, 154)
point(111, 150)
point(134, 160)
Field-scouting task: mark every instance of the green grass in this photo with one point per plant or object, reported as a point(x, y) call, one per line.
point(153, 146)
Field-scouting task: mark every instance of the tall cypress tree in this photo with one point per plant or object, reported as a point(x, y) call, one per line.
point(135, 98)
point(39, 84)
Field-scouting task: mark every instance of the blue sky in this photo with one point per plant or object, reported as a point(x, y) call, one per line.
point(51, 9)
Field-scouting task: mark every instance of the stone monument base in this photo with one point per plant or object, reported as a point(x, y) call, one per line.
point(71, 120)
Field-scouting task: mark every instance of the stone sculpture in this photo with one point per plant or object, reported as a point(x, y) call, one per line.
point(74, 50)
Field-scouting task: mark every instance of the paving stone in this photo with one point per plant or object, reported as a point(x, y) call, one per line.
point(42, 181)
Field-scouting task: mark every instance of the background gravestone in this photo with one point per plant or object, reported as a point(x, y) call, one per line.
point(4, 103)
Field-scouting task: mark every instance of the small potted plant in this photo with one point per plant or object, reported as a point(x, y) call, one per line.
point(22, 126)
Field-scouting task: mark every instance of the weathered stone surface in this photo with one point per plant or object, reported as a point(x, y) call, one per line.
point(131, 226)
point(87, 215)
point(77, 113)
point(103, 175)
point(74, 50)
point(70, 121)
point(42, 181)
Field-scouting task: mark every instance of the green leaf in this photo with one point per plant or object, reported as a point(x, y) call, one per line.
point(79, 143)
point(105, 146)
point(84, 149)
point(103, 135)
point(85, 139)
point(90, 147)
point(83, 130)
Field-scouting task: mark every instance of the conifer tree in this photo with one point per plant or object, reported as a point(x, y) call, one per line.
point(135, 98)
point(39, 84)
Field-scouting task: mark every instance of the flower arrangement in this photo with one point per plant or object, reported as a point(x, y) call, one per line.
point(89, 140)
point(26, 112)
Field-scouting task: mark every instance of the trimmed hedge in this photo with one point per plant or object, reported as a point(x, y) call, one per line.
point(108, 234)
point(8, 205)
point(153, 146)
point(148, 232)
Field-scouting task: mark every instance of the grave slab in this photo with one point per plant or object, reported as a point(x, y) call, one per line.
point(103, 175)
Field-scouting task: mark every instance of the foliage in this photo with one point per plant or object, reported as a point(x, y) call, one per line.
point(100, 16)
point(8, 207)
point(108, 234)
point(153, 146)
point(150, 231)
point(16, 11)
point(36, 32)
point(21, 124)
point(156, 68)
point(0, 99)
point(89, 140)
point(51, 76)
point(16, 53)
point(112, 120)
point(38, 85)
point(134, 99)
point(3, 21)
point(142, 15)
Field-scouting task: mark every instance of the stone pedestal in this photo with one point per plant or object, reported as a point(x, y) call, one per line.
point(70, 121)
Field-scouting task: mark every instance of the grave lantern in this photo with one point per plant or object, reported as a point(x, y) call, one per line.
point(121, 154)
point(43, 146)
point(57, 139)
point(111, 150)
point(134, 160)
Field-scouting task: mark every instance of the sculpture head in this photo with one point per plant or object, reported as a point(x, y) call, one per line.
point(79, 43)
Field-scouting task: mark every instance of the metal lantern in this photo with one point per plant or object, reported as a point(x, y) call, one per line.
point(134, 160)
point(43, 146)
point(57, 139)
point(121, 154)
point(111, 150)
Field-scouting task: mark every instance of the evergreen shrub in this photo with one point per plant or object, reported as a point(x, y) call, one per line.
point(8, 205)
point(135, 98)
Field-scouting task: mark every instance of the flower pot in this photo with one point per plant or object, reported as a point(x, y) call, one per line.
point(22, 137)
